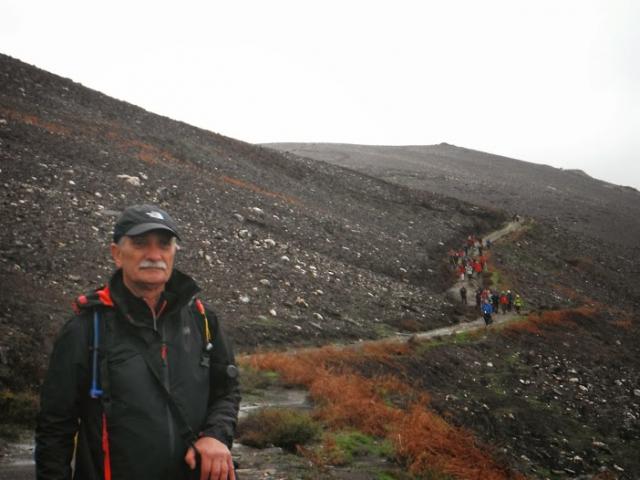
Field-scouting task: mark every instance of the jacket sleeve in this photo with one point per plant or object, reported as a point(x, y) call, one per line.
point(224, 390)
point(60, 396)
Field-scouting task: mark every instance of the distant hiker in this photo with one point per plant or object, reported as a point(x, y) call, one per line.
point(469, 270)
point(477, 267)
point(518, 303)
point(495, 301)
point(461, 271)
point(503, 302)
point(509, 300)
point(478, 297)
point(487, 310)
point(488, 244)
point(470, 241)
point(463, 295)
point(486, 295)
point(483, 262)
point(142, 379)
point(453, 257)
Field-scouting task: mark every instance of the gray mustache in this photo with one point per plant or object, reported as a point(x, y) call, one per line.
point(149, 264)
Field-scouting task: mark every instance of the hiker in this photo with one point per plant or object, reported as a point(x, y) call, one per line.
point(463, 295)
point(503, 302)
point(477, 267)
point(486, 295)
point(142, 373)
point(478, 297)
point(469, 270)
point(487, 310)
point(453, 257)
point(518, 303)
point(509, 300)
point(461, 270)
point(495, 301)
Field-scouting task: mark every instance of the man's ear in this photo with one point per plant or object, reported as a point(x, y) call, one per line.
point(115, 254)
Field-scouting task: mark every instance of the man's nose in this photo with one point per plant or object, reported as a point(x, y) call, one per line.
point(154, 252)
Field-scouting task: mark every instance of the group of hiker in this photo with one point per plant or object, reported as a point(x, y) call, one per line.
point(470, 261)
point(490, 301)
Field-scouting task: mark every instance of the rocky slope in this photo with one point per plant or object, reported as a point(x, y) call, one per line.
point(289, 251)
point(564, 198)
point(294, 251)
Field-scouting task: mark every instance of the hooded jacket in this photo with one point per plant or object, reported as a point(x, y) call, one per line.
point(162, 387)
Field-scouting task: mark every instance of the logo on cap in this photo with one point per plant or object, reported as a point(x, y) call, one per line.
point(157, 215)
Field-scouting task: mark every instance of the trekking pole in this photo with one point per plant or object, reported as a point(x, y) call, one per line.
point(96, 391)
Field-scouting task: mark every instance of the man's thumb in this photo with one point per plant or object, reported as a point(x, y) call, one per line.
point(190, 458)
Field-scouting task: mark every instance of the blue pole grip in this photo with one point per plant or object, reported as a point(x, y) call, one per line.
point(96, 391)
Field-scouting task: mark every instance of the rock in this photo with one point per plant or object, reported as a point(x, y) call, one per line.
point(301, 302)
point(273, 312)
point(317, 316)
point(135, 181)
point(265, 282)
point(244, 299)
point(269, 242)
point(238, 217)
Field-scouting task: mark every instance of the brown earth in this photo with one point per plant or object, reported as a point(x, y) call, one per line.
point(339, 256)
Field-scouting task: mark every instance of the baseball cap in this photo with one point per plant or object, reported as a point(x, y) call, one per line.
point(138, 219)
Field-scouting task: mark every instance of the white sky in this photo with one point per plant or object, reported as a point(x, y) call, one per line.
point(547, 81)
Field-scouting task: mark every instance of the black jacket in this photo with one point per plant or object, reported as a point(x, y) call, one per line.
point(144, 361)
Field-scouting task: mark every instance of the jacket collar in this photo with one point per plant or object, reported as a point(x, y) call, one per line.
point(178, 292)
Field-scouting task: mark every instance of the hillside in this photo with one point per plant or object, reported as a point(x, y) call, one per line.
point(565, 198)
point(289, 251)
point(329, 244)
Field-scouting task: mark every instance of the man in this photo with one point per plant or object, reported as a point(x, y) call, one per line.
point(142, 373)
point(463, 295)
point(487, 310)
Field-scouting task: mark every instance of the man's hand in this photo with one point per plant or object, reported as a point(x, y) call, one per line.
point(215, 459)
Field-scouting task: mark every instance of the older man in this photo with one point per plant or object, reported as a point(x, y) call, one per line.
point(142, 373)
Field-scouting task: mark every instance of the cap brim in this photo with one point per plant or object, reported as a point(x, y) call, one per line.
point(147, 227)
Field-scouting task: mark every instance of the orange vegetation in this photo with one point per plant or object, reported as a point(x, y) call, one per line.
point(254, 188)
point(383, 406)
point(534, 322)
point(50, 127)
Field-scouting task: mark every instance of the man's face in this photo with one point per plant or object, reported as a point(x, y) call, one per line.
point(146, 260)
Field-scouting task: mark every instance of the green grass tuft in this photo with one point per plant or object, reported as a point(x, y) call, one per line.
point(278, 427)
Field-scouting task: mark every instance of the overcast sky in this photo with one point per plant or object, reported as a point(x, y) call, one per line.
point(546, 81)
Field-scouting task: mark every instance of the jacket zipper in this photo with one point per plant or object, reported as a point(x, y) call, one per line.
point(164, 356)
